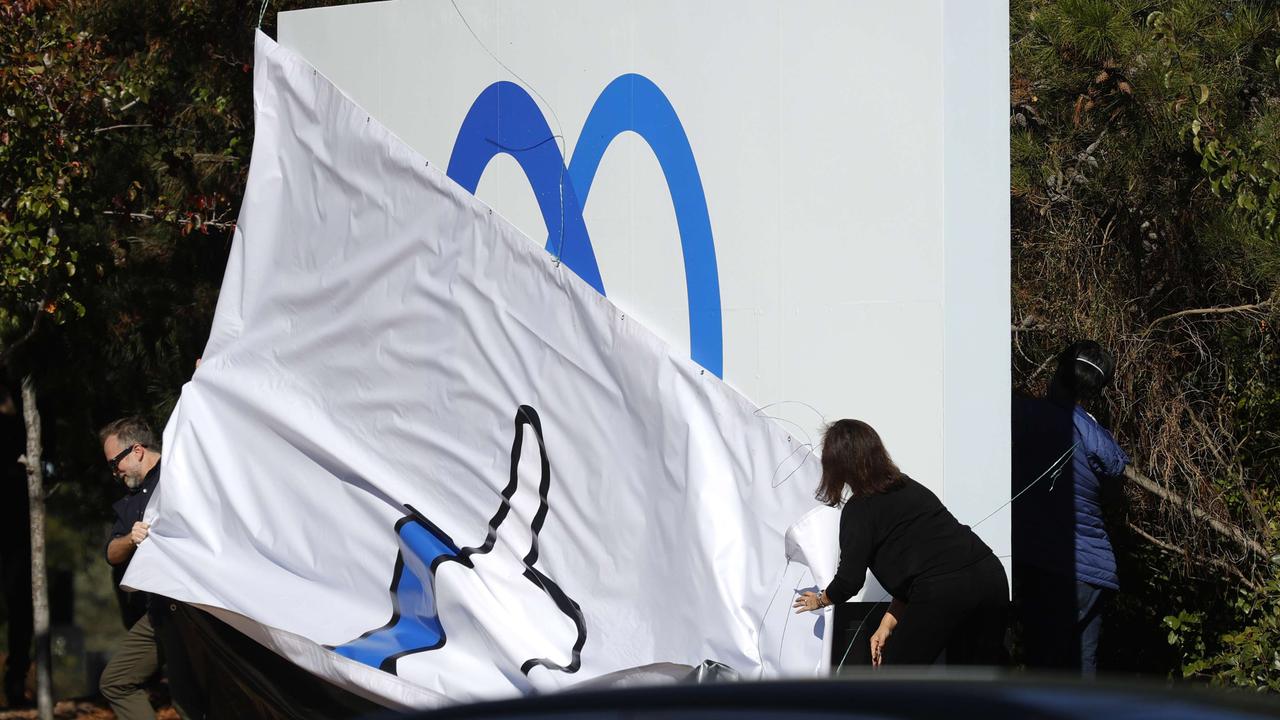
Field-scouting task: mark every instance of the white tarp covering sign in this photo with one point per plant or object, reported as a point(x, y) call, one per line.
point(426, 461)
point(835, 171)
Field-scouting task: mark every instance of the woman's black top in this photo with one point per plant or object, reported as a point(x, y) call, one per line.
point(902, 535)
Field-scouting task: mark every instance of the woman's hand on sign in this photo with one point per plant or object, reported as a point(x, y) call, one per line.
point(808, 601)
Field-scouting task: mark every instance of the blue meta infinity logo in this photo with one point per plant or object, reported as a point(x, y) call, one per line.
point(504, 119)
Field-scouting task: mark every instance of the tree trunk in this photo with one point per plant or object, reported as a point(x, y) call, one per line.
point(39, 589)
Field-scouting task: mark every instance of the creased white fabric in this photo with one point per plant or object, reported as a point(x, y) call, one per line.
point(378, 332)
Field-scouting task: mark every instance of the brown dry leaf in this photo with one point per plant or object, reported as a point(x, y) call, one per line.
point(1020, 91)
point(1080, 107)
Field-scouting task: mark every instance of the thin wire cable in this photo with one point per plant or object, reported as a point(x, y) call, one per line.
point(787, 623)
point(263, 12)
point(1053, 467)
point(808, 451)
point(809, 445)
point(559, 127)
point(782, 577)
point(509, 149)
point(795, 402)
point(854, 637)
point(808, 438)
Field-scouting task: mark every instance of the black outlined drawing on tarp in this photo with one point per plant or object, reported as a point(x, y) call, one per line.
point(415, 624)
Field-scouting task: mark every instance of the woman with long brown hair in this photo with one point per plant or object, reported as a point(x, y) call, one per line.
point(949, 590)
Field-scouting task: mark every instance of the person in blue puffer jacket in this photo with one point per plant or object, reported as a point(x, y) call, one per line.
point(1064, 565)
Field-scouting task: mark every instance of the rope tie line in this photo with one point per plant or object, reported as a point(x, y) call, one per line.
point(558, 137)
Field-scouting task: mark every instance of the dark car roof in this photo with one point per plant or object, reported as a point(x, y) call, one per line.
point(988, 696)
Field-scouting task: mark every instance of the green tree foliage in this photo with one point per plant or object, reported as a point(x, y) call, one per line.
point(124, 141)
point(124, 146)
point(1145, 185)
point(55, 88)
point(125, 132)
point(1145, 190)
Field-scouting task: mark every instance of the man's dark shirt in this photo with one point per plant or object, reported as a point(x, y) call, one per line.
point(129, 510)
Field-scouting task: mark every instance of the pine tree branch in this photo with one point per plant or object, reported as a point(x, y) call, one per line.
point(1165, 545)
point(120, 127)
point(1255, 307)
point(131, 216)
point(216, 224)
point(1231, 532)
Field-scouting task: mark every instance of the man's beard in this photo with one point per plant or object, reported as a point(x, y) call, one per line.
point(133, 481)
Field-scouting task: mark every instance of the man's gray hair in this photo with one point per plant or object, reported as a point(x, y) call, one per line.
point(130, 431)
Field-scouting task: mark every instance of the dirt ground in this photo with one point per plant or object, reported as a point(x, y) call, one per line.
point(92, 709)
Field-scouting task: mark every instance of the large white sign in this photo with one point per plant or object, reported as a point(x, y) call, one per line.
point(426, 461)
point(807, 197)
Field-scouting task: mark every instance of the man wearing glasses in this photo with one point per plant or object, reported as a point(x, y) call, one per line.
point(133, 455)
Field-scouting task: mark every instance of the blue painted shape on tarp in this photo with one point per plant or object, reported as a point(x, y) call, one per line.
point(415, 624)
point(415, 621)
